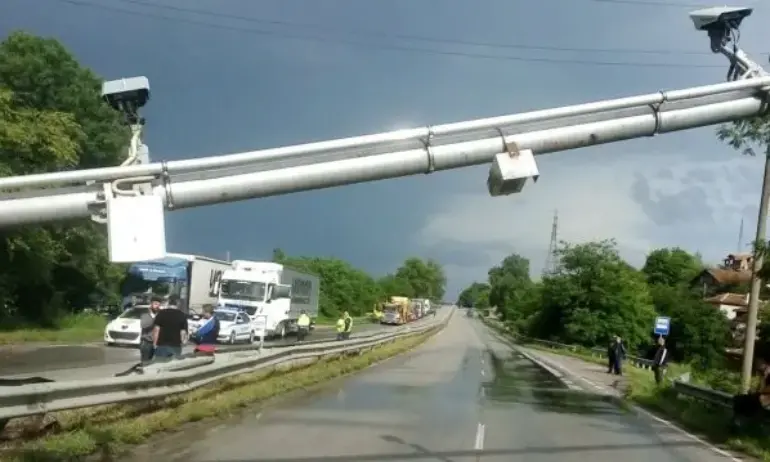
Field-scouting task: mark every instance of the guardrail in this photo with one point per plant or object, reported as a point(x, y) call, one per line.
point(709, 395)
point(636, 361)
point(189, 359)
point(182, 375)
point(681, 387)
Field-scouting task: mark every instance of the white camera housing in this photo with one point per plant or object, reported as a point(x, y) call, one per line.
point(127, 95)
point(720, 17)
point(509, 172)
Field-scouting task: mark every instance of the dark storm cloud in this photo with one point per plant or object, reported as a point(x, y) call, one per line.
point(665, 209)
point(216, 90)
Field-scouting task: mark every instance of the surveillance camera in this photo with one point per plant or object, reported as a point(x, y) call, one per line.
point(719, 18)
point(127, 95)
point(508, 173)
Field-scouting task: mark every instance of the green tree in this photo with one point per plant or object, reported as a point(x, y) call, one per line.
point(509, 286)
point(343, 287)
point(475, 295)
point(392, 285)
point(42, 74)
point(53, 118)
point(699, 332)
point(425, 278)
point(278, 255)
point(671, 267)
point(346, 288)
point(593, 295)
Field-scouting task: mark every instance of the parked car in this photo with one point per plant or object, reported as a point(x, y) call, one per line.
point(234, 326)
point(125, 330)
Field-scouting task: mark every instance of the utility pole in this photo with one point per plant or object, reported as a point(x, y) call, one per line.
point(756, 282)
point(550, 259)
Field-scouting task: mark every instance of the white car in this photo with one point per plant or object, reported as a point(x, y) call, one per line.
point(125, 330)
point(234, 326)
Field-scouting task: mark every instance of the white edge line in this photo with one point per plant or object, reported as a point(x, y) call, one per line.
point(700, 440)
point(640, 410)
point(480, 430)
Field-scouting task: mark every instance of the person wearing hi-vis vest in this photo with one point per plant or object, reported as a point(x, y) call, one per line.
point(341, 327)
point(303, 326)
point(348, 325)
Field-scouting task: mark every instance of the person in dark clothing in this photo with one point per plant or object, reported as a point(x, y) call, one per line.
point(619, 354)
point(146, 322)
point(611, 356)
point(660, 360)
point(169, 333)
point(206, 336)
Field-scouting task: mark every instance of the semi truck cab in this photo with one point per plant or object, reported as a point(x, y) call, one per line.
point(255, 287)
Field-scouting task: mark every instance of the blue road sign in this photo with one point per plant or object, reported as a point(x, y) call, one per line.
point(662, 325)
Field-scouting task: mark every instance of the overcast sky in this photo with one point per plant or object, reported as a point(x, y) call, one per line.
point(240, 84)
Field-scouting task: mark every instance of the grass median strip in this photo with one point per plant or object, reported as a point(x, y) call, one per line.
point(75, 329)
point(109, 430)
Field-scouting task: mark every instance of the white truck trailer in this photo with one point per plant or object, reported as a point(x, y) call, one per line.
point(272, 294)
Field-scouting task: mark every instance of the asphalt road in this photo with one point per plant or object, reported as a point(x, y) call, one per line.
point(462, 396)
point(55, 361)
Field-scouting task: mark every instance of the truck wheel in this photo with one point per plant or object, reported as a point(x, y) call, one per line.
point(232, 338)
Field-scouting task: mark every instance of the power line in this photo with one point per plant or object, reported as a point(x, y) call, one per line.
point(657, 3)
point(392, 47)
point(419, 38)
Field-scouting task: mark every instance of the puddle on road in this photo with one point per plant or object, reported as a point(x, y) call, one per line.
point(518, 380)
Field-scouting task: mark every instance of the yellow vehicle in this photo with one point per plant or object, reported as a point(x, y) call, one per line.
point(395, 311)
point(376, 314)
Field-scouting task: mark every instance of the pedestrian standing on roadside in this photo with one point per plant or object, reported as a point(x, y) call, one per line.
point(660, 360)
point(620, 355)
point(611, 356)
point(348, 325)
point(169, 333)
point(303, 326)
point(341, 328)
point(146, 323)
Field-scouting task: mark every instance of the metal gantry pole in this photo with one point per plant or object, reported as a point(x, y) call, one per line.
point(382, 142)
point(59, 206)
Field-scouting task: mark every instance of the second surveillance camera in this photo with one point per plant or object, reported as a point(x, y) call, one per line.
point(508, 173)
point(127, 95)
point(720, 17)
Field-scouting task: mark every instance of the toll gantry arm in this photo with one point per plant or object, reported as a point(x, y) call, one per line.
point(446, 147)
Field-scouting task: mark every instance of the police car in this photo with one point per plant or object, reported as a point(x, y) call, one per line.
point(234, 326)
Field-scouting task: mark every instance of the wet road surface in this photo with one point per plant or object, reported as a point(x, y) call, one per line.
point(37, 360)
point(462, 396)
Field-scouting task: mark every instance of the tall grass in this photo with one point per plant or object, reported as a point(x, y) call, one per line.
point(76, 328)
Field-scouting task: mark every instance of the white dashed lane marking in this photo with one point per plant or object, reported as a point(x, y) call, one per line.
point(480, 430)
